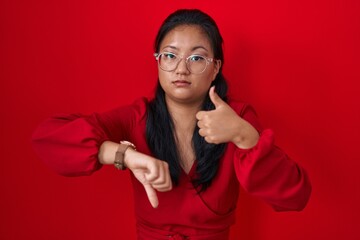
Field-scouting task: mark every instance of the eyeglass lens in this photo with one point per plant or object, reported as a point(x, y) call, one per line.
point(194, 63)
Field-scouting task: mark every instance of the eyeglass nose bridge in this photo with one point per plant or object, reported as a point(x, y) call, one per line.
point(180, 58)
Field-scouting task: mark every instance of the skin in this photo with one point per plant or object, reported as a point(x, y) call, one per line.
point(184, 94)
point(185, 41)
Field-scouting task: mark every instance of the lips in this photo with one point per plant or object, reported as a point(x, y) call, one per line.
point(181, 83)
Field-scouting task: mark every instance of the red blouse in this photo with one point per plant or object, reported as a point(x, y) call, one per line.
point(69, 144)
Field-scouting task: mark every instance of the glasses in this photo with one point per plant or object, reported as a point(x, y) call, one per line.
point(196, 64)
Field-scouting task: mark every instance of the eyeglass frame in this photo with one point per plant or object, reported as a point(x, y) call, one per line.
point(181, 57)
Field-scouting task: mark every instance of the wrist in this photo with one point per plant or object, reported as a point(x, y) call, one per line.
point(107, 151)
point(129, 154)
point(120, 154)
point(247, 137)
point(246, 143)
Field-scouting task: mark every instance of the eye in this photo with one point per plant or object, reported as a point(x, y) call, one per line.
point(196, 58)
point(169, 55)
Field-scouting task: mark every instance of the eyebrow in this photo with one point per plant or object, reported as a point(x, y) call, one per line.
point(197, 47)
point(193, 49)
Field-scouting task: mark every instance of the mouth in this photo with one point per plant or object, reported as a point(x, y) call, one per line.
point(181, 83)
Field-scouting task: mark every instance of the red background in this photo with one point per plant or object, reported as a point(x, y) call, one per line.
point(296, 62)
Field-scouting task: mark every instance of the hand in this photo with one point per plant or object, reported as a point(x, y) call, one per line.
point(151, 172)
point(223, 125)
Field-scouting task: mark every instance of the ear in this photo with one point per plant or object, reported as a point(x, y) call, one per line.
point(217, 66)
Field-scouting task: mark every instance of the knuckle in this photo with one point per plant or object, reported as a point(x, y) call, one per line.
point(153, 175)
point(166, 165)
point(212, 138)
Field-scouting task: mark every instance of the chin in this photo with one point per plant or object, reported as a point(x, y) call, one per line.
point(185, 99)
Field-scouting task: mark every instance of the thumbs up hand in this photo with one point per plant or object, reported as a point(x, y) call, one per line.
point(223, 125)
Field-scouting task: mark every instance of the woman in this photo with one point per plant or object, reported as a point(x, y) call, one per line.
point(188, 149)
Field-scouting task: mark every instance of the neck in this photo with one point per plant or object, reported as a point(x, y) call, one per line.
point(184, 119)
point(183, 114)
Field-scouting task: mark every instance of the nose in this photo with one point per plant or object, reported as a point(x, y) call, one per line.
point(182, 68)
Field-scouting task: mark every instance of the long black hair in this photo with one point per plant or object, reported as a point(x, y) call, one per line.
point(160, 126)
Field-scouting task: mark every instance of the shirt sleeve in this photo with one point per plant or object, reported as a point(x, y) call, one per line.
point(69, 143)
point(267, 172)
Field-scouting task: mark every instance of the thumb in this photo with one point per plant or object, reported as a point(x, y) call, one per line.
point(151, 194)
point(214, 97)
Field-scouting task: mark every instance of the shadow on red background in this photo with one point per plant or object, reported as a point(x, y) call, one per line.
point(297, 63)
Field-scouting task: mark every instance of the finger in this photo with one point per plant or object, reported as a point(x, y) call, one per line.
point(168, 180)
point(167, 184)
point(200, 124)
point(214, 97)
point(151, 194)
point(161, 176)
point(167, 176)
point(153, 170)
point(202, 132)
point(210, 139)
point(200, 115)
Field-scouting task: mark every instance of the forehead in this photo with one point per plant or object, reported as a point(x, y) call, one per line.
point(186, 37)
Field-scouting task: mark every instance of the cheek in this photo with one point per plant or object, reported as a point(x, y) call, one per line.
point(164, 79)
point(210, 76)
point(163, 76)
point(205, 81)
point(211, 73)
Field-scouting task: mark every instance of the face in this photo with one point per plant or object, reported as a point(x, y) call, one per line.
point(180, 85)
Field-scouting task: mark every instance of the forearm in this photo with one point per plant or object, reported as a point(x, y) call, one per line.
point(107, 152)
